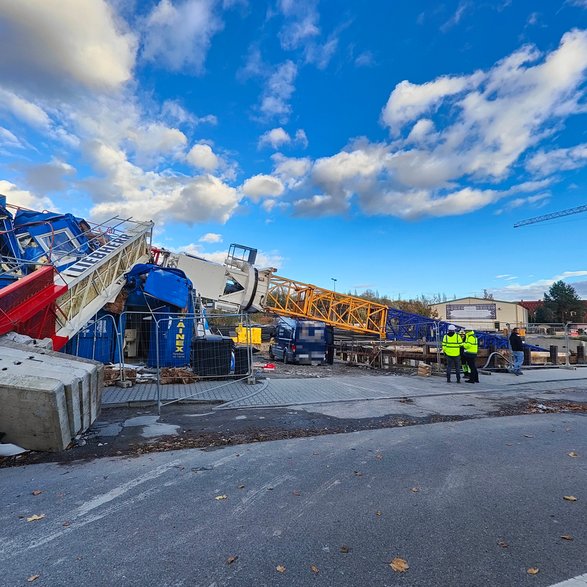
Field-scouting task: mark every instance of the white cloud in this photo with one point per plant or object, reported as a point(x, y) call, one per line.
point(301, 137)
point(9, 139)
point(203, 157)
point(365, 59)
point(302, 23)
point(264, 259)
point(177, 113)
point(536, 201)
point(24, 198)
point(278, 91)
point(408, 101)
point(274, 137)
point(277, 137)
point(487, 121)
point(148, 195)
point(261, 186)
point(47, 177)
point(547, 162)
point(291, 171)
point(178, 35)
point(24, 110)
point(534, 290)
point(210, 237)
point(56, 43)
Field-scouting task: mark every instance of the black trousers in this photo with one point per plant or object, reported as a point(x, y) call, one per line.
point(453, 362)
point(470, 359)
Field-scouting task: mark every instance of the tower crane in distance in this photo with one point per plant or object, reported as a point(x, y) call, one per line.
point(551, 216)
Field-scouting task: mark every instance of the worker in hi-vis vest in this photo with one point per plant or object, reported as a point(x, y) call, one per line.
point(471, 348)
point(464, 366)
point(451, 347)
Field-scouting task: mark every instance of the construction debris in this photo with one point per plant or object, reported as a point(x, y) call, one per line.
point(170, 375)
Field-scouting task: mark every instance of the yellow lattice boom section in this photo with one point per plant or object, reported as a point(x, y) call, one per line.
point(302, 300)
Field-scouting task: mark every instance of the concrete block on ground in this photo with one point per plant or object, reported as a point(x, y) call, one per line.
point(76, 382)
point(34, 412)
point(93, 402)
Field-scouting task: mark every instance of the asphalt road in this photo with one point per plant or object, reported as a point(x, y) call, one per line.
point(441, 496)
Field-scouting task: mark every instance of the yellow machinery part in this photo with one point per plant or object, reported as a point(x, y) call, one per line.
point(302, 300)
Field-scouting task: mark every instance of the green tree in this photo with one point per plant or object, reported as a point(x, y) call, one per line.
point(563, 303)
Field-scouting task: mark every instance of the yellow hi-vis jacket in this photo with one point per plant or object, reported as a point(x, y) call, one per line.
point(471, 345)
point(451, 345)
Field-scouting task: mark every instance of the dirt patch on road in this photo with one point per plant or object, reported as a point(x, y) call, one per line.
point(222, 430)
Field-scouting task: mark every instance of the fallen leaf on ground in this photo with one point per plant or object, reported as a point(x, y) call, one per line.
point(573, 454)
point(357, 473)
point(33, 578)
point(280, 569)
point(399, 565)
point(219, 497)
point(529, 435)
point(509, 444)
point(415, 489)
point(533, 571)
point(314, 569)
point(567, 537)
point(241, 486)
point(67, 524)
point(231, 559)
point(269, 488)
point(379, 456)
point(570, 497)
point(345, 549)
point(37, 492)
point(377, 513)
point(296, 492)
point(36, 517)
point(502, 543)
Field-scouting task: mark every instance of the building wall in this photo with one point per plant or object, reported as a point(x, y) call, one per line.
point(481, 314)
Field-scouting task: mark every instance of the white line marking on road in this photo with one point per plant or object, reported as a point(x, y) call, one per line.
point(578, 581)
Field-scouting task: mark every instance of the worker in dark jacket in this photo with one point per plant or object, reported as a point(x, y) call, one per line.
point(470, 350)
point(517, 344)
point(464, 365)
point(451, 347)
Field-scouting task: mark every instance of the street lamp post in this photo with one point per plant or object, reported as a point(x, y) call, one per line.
point(334, 280)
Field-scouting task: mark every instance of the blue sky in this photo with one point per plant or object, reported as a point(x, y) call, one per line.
point(388, 145)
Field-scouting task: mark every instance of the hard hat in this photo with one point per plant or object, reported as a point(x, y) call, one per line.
point(452, 327)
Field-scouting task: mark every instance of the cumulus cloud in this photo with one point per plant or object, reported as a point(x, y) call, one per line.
point(210, 237)
point(277, 137)
point(24, 198)
point(471, 158)
point(203, 157)
point(178, 35)
point(261, 186)
point(51, 45)
point(48, 177)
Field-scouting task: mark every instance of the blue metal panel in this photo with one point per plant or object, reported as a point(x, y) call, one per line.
point(175, 339)
point(97, 340)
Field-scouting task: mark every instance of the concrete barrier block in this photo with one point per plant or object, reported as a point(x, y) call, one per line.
point(95, 368)
point(76, 382)
point(34, 412)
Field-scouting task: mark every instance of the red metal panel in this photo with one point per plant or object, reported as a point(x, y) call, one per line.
point(28, 305)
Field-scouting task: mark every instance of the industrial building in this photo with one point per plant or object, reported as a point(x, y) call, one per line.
point(482, 314)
